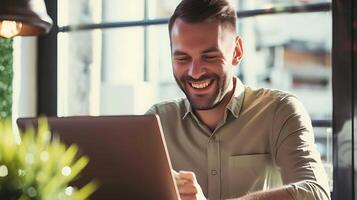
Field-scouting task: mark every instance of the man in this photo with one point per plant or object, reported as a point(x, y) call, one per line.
point(228, 140)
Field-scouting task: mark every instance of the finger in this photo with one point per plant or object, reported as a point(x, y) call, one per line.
point(184, 181)
point(187, 197)
point(187, 175)
point(181, 182)
point(188, 189)
point(175, 173)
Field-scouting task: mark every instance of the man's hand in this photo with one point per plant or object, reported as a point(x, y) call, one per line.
point(188, 186)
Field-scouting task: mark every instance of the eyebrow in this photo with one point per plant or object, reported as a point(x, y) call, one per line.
point(179, 53)
point(209, 50)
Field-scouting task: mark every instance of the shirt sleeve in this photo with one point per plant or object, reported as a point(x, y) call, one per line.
point(294, 151)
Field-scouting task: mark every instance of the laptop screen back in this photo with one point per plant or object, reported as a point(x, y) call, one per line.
point(128, 154)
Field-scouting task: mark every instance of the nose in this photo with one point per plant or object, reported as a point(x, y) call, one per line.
point(196, 70)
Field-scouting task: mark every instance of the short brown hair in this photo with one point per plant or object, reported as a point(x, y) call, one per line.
point(193, 11)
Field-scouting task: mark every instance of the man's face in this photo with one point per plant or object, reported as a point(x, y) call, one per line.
point(203, 55)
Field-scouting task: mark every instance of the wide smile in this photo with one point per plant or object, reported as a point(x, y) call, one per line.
point(201, 84)
point(200, 87)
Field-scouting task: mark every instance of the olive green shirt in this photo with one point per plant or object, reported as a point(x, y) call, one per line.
point(265, 140)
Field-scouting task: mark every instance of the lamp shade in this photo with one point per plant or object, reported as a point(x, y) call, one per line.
point(26, 17)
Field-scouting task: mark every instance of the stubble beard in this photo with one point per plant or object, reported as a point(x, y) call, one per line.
point(204, 102)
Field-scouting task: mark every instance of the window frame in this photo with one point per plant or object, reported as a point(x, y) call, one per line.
point(344, 74)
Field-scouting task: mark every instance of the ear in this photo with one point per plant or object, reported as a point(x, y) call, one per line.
point(238, 51)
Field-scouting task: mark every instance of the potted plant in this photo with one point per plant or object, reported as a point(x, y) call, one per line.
point(34, 167)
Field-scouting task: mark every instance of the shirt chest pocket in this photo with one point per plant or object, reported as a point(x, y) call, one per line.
point(249, 173)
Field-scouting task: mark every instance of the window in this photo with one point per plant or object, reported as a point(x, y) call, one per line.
point(117, 54)
point(292, 52)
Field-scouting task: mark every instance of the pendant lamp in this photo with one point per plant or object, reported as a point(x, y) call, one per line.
point(23, 17)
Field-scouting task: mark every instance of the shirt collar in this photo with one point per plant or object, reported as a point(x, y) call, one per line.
point(187, 109)
point(234, 105)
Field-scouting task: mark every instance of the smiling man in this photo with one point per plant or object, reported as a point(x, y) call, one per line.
point(228, 140)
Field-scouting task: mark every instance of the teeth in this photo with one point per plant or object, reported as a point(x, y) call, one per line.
point(200, 85)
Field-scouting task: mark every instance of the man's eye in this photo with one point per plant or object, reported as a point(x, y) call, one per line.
point(181, 58)
point(210, 57)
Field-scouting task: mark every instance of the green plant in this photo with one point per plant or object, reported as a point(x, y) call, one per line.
point(6, 74)
point(37, 168)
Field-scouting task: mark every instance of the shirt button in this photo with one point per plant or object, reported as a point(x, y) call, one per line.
point(213, 172)
point(214, 137)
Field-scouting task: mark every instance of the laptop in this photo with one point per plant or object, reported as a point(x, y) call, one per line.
point(128, 154)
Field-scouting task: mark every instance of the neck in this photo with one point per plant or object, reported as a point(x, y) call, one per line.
point(213, 116)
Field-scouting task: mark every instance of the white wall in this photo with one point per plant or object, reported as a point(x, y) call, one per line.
point(25, 77)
